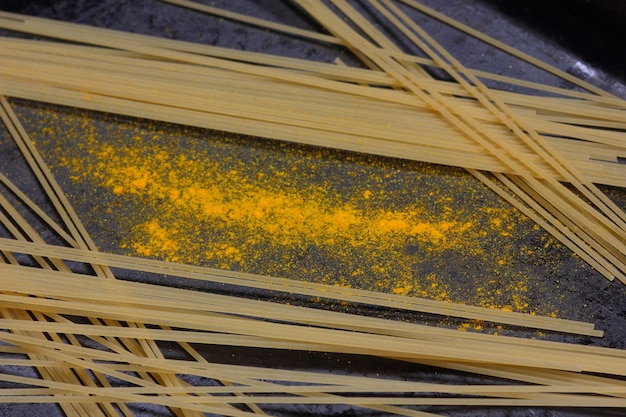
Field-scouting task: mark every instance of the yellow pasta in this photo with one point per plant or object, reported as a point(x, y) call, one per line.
point(82, 331)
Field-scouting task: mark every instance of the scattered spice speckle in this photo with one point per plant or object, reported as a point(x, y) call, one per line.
point(208, 198)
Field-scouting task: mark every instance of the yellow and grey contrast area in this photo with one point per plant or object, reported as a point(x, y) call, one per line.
point(231, 202)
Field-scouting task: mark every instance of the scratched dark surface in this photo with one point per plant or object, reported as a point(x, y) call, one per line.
point(582, 38)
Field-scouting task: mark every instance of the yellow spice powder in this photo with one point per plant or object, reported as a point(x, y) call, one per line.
point(188, 195)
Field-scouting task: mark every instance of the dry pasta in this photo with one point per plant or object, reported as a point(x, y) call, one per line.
point(80, 340)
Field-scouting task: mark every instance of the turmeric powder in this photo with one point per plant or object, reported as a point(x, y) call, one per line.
point(305, 213)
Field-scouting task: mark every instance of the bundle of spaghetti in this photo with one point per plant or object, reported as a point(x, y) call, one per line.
point(205, 318)
point(296, 287)
point(180, 51)
point(250, 323)
point(96, 62)
point(311, 387)
point(602, 244)
point(599, 168)
point(251, 117)
point(274, 74)
point(186, 309)
point(80, 338)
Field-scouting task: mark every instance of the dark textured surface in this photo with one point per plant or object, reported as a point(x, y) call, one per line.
point(527, 25)
point(592, 29)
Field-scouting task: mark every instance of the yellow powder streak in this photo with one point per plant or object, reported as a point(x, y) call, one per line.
point(207, 211)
